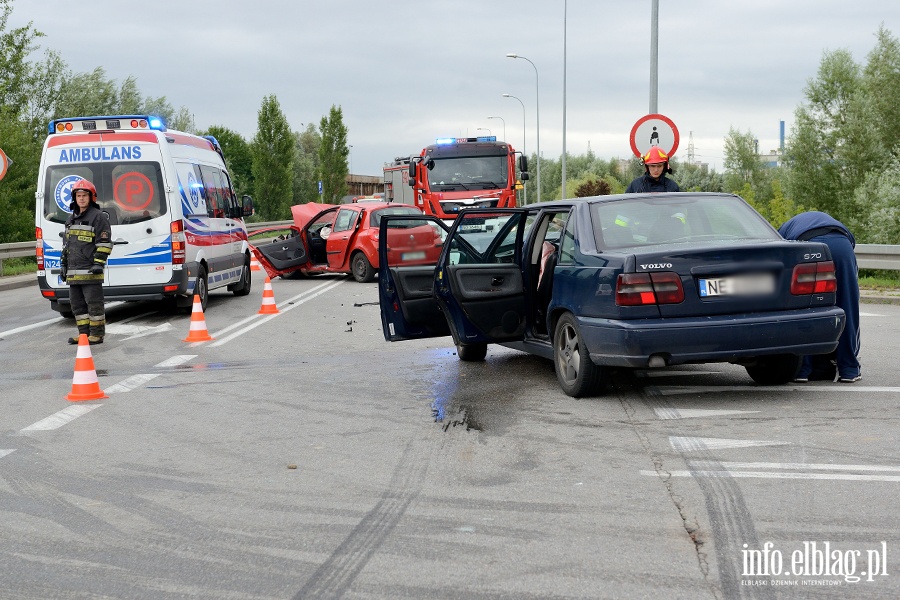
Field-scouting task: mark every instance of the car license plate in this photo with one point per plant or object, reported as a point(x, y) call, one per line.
point(413, 256)
point(742, 285)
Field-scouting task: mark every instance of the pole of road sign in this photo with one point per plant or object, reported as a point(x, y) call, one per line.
point(654, 57)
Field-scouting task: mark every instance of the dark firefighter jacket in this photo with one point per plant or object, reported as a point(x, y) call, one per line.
point(645, 183)
point(87, 243)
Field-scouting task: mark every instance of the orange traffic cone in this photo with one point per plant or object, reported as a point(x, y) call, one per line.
point(268, 302)
point(254, 264)
point(198, 332)
point(84, 383)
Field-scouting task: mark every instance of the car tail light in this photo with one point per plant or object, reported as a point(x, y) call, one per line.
point(39, 248)
point(179, 241)
point(639, 289)
point(813, 278)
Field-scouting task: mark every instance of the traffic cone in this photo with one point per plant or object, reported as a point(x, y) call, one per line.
point(84, 383)
point(198, 332)
point(268, 302)
point(254, 264)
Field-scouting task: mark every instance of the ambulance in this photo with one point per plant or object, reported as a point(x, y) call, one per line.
point(177, 227)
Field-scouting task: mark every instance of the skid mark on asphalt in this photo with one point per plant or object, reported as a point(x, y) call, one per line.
point(335, 576)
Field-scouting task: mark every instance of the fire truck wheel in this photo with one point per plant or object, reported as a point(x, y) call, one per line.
point(363, 271)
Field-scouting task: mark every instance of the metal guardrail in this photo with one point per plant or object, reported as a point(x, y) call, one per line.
point(868, 256)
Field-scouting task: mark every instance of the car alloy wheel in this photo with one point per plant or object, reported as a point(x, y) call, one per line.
point(578, 376)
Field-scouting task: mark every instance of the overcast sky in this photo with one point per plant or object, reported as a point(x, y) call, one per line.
point(406, 73)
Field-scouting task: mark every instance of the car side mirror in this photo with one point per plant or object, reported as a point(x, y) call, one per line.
point(523, 176)
point(247, 206)
point(523, 163)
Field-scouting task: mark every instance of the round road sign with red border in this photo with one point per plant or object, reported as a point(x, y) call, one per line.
point(654, 130)
point(133, 191)
point(4, 163)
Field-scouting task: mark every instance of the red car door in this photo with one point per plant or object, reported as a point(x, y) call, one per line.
point(340, 240)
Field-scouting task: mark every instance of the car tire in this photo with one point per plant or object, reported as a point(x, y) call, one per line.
point(201, 288)
point(471, 352)
point(578, 376)
point(774, 370)
point(243, 288)
point(362, 269)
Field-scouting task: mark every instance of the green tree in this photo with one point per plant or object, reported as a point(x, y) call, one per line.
point(879, 194)
point(742, 161)
point(86, 94)
point(273, 150)
point(834, 141)
point(238, 158)
point(333, 153)
point(17, 187)
point(306, 167)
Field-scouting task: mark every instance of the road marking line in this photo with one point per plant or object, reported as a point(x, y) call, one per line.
point(668, 373)
point(794, 466)
point(131, 383)
point(674, 390)
point(175, 361)
point(690, 444)
point(29, 327)
point(865, 314)
point(691, 413)
point(284, 307)
point(775, 475)
point(59, 419)
point(6, 452)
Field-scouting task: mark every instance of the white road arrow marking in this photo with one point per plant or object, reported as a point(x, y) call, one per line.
point(692, 413)
point(692, 444)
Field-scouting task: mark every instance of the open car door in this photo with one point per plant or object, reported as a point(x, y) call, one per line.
point(475, 292)
point(282, 256)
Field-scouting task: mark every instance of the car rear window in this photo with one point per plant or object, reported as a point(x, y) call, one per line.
point(375, 219)
point(645, 220)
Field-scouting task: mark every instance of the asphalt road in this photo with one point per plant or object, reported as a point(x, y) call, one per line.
point(302, 456)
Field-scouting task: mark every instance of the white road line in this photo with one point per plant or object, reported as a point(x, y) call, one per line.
point(131, 383)
point(6, 452)
point(865, 314)
point(675, 390)
point(668, 373)
point(690, 444)
point(59, 419)
point(776, 475)
point(692, 413)
point(792, 466)
point(175, 361)
point(283, 307)
point(29, 327)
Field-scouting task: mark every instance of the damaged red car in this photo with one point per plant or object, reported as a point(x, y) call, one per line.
point(328, 238)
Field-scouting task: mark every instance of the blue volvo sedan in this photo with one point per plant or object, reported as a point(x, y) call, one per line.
point(626, 281)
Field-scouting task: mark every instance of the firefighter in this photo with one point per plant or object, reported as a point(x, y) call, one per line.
point(820, 227)
point(656, 165)
point(87, 244)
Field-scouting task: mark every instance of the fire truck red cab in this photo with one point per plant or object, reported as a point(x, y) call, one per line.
point(456, 173)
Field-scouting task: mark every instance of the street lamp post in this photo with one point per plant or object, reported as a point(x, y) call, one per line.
point(484, 129)
point(537, 111)
point(504, 126)
point(524, 152)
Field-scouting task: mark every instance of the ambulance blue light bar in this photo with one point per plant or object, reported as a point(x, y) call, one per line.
point(106, 123)
point(448, 141)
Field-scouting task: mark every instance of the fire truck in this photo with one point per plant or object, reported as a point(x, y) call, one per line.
point(456, 173)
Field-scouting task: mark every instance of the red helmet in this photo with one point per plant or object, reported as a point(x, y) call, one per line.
point(655, 156)
point(87, 186)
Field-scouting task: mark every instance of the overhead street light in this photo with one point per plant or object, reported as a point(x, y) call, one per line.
point(504, 126)
point(537, 111)
point(524, 152)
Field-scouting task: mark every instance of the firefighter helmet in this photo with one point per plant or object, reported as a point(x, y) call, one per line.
point(655, 156)
point(83, 185)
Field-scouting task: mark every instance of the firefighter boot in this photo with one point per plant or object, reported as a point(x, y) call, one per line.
point(84, 326)
point(97, 330)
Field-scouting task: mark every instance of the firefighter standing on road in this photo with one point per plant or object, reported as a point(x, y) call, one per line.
point(87, 244)
point(656, 165)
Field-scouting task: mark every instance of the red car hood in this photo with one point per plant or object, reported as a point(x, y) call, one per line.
point(304, 213)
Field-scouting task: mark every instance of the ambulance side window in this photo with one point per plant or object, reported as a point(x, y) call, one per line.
point(234, 209)
point(215, 202)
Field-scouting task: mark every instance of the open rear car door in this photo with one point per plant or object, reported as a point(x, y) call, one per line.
point(473, 290)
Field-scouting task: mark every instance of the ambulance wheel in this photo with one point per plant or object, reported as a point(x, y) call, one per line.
point(201, 288)
point(243, 288)
point(363, 272)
